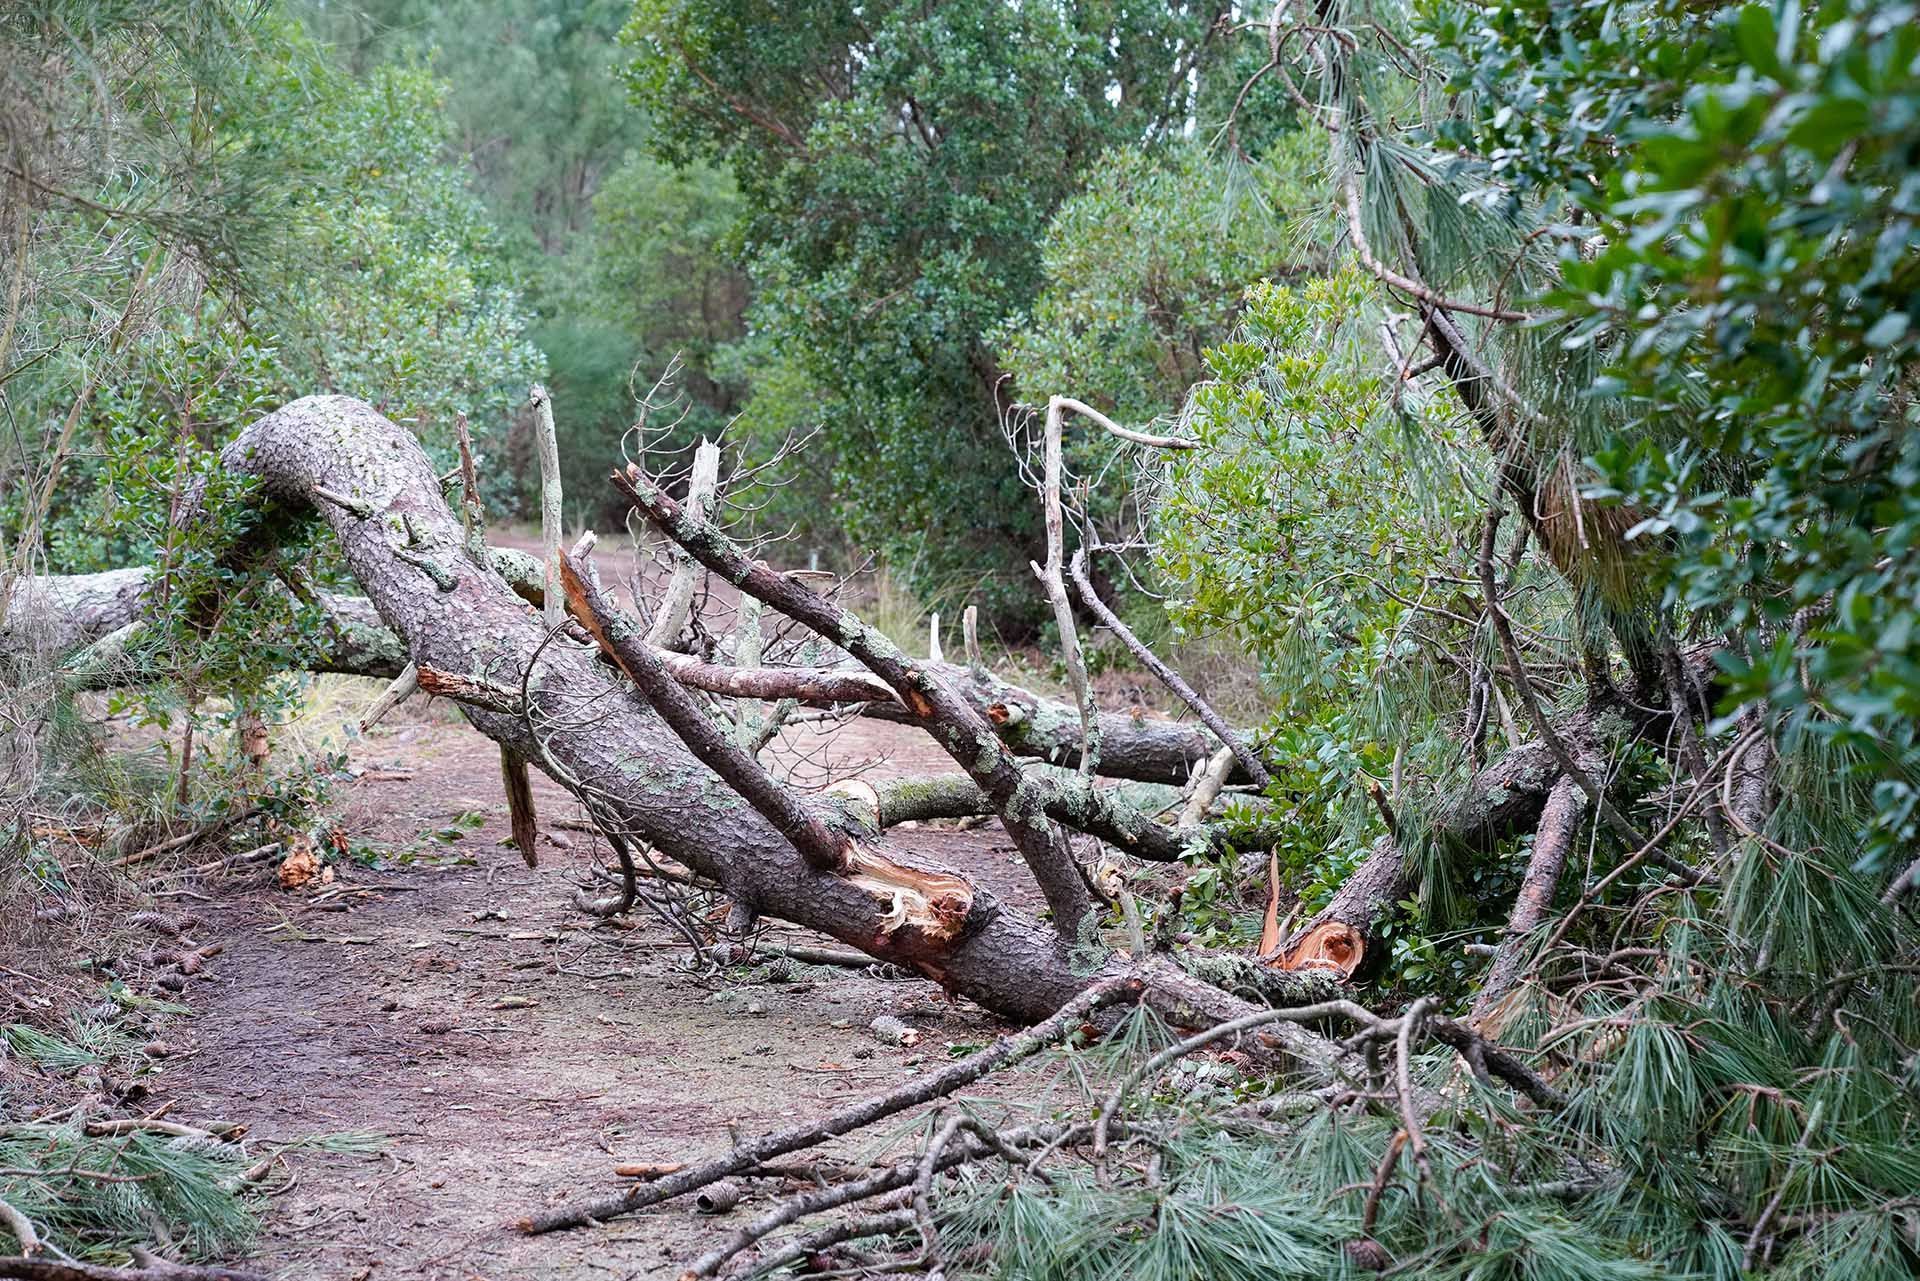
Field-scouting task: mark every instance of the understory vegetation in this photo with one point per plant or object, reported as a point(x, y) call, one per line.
point(1505, 415)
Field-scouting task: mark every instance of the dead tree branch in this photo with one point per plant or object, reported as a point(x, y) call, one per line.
point(1050, 577)
point(1002, 1053)
point(1249, 761)
point(677, 599)
point(955, 725)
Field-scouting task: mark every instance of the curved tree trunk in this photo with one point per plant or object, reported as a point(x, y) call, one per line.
point(453, 615)
point(449, 611)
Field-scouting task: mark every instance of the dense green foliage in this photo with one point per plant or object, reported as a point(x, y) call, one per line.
point(1250, 1184)
point(621, 260)
point(1750, 273)
point(248, 223)
point(899, 167)
point(359, 264)
point(1146, 267)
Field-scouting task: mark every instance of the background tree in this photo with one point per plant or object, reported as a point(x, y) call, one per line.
point(898, 167)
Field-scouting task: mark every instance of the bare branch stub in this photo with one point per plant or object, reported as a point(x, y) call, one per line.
point(520, 814)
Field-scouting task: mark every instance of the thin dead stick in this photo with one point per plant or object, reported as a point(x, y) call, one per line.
point(677, 599)
point(1115, 429)
point(1758, 1234)
point(1052, 579)
point(1168, 677)
point(970, 638)
point(1004, 1052)
point(891, 1179)
point(878, 1225)
point(1403, 1086)
point(204, 832)
point(923, 1195)
point(548, 444)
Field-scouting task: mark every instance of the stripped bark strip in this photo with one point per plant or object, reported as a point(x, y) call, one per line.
point(955, 725)
point(1004, 1052)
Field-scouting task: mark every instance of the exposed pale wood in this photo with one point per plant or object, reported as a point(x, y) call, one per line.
point(547, 445)
point(1052, 577)
point(677, 599)
point(953, 723)
point(400, 691)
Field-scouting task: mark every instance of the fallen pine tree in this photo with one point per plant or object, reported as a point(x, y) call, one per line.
point(624, 723)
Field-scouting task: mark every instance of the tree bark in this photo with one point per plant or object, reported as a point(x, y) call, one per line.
point(452, 614)
point(1559, 827)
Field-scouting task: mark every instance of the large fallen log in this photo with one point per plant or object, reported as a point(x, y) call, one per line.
point(450, 611)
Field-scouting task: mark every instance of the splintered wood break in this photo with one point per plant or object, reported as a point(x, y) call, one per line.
point(935, 904)
point(1334, 945)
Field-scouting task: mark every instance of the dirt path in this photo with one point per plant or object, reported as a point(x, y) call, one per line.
point(510, 1049)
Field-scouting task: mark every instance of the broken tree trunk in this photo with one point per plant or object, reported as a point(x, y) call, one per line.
point(636, 774)
point(435, 602)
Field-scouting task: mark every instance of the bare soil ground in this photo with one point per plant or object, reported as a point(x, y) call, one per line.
point(511, 1049)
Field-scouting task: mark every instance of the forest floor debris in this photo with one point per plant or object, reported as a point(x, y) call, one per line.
point(512, 1050)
